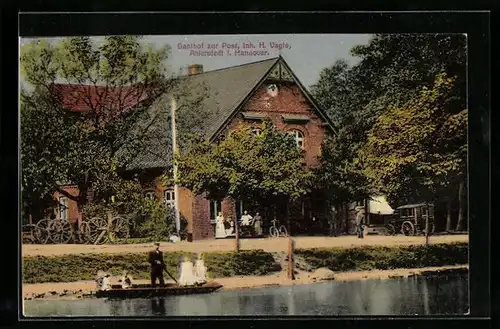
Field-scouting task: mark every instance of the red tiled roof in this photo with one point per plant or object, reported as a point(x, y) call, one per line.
point(84, 98)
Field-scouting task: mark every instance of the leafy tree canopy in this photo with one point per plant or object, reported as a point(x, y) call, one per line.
point(246, 166)
point(417, 149)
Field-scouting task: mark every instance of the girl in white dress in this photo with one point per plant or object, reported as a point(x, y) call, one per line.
point(200, 270)
point(186, 273)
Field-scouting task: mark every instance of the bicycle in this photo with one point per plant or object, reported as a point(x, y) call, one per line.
point(275, 232)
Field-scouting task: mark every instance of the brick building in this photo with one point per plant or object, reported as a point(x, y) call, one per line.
point(246, 93)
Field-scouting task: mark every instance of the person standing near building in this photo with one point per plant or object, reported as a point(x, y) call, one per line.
point(360, 222)
point(257, 224)
point(157, 265)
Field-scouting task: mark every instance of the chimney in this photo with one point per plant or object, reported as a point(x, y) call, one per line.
point(195, 69)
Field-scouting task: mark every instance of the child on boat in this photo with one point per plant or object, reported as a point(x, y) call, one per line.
point(103, 281)
point(126, 280)
point(200, 271)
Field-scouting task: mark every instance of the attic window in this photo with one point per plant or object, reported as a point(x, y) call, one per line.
point(295, 118)
point(254, 115)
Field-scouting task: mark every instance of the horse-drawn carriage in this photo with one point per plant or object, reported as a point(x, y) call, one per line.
point(412, 219)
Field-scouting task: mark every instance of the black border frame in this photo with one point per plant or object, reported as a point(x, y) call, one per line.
point(475, 24)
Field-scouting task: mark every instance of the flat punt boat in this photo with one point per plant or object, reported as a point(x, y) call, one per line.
point(145, 290)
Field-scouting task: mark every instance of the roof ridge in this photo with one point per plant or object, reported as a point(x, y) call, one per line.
point(230, 67)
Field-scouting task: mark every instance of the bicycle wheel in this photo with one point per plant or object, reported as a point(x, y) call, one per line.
point(273, 232)
point(283, 231)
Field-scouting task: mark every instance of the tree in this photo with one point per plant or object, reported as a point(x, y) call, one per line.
point(246, 166)
point(109, 80)
point(391, 72)
point(418, 150)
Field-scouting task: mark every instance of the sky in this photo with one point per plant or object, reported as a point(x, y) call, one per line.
point(307, 54)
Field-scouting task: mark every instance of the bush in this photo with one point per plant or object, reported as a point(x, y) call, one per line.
point(156, 221)
point(248, 262)
point(383, 258)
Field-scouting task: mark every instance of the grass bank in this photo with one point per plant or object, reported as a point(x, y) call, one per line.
point(70, 268)
point(385, 258)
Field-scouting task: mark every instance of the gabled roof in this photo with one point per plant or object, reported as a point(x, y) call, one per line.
point(225, 92)
point(275, 64)
point(228, 88)
point(83, 98)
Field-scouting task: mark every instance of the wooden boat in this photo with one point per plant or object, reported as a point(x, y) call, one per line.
point(145, 290)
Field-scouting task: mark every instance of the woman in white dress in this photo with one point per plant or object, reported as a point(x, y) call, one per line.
point(220, 229)
point(186, 273)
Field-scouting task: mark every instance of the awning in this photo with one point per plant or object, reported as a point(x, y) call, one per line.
point(295, 118)
point(379, 206)
point(254, 115)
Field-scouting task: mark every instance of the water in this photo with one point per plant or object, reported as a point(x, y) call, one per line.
point(405, 296)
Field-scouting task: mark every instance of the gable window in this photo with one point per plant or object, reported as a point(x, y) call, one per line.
point(298, 137)
point(256, 131)
point(150, 194)
point(215, 209)
point(63, 208)
point(169, 198)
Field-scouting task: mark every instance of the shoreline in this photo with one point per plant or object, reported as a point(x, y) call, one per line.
point(78, 289)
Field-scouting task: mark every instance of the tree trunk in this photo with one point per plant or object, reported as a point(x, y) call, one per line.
point(287, 218)
point(448, 215)
point(236, 234)
point(346, 219)
point(461, 217)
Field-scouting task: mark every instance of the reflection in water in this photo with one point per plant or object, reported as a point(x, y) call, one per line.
point(158, 306)
point(406, 296)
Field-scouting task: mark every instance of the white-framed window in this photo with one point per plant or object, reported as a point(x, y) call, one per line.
point(169, 198)
point(240, 208)
point(215, 209)
point(150, 194)
point(63, 208)
point(256, 131)
point(298, 137)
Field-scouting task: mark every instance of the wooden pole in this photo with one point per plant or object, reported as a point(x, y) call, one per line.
point(427, 224)
point(291, 274)
point(236, 234)
point(174, 152)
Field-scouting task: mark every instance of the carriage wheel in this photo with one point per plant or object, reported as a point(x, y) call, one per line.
point(407, 228)
point(273, 232)
point(41, 232)
point(98, 225)
point(121, 229)
point(391, 229)
point(61, 232)
point(27, 234)
point(85, 232)
point(283, 231)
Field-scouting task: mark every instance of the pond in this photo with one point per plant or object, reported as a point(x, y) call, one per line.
point(441, 295)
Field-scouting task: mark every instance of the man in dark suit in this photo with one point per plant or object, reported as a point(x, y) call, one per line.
point(157, 265)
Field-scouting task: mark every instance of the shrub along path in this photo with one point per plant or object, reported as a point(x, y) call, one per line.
point(267, 244)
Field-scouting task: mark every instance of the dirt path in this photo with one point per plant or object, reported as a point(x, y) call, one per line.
point(267, 244)
point(239, 282)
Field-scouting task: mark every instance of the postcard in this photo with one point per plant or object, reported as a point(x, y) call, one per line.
point(233, 175)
